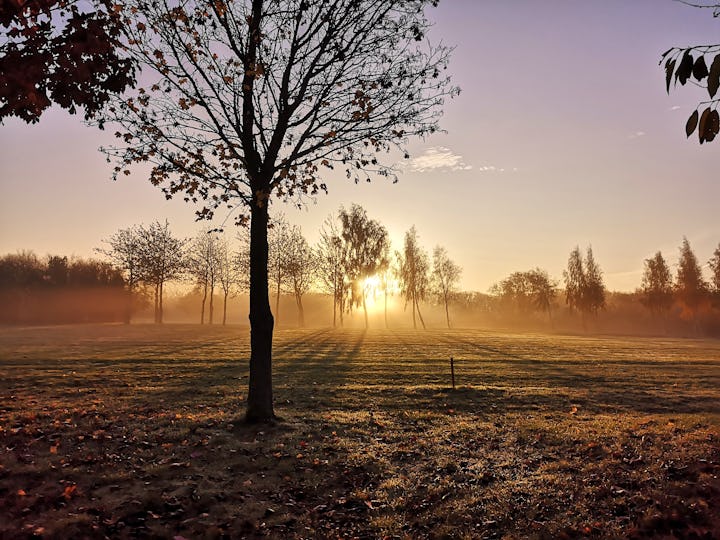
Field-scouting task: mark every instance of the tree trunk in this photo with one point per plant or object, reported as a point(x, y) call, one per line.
point(447, 312)
point(277, 301)
point(301, 311)
point(202, 306)
point(365, 310)
point(225, 297)
point(212, 304)
point(160, 315)
point(422, 321)
point(413, 312)
point(386, 323)
point(335, 303)
point(260, 394)
point(157, 304)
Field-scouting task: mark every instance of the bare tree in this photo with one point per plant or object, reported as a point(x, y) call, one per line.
point(161, 259)
point(203, 265)
point(278, 242)
point(331, 265)
point(366, 248)
point(249, 99)
point(124, 252)
point(714, 263)
point(445, 276)
point(413, 268)
point(300, 268)
point(228, 275)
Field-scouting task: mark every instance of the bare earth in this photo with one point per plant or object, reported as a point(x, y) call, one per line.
point(136, 432)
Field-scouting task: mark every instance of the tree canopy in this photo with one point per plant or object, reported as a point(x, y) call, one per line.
point(60, 51)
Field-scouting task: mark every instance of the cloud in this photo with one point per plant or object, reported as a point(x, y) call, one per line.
point(438, 158)
point(675, 108)
point(636, 135)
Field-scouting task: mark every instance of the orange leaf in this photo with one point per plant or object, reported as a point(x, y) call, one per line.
point(69, 491)
point(21, 492)
point(53, 449)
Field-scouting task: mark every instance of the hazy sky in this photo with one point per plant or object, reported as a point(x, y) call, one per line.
point(563, 135)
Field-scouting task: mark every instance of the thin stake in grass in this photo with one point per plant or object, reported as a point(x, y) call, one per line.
point(452, 372)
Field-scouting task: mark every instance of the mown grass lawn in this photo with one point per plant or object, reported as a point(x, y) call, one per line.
point(126, 432)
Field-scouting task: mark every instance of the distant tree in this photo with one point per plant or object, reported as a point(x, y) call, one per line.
point(714, 263)
point(574, 278)
point(594, 293)
point(690, 286)
point(366, 244)
point(543, 290)
point(656, 290)
point(278, 242)
point(161, 259)
point(300, 268)
point(413, 268)
point(384, 274)
point(57, 271)
point(123, 250)
point(701, 63)
point(331, 265)
point(528, 291)
point(21, 270)
point(230, 275)
point(60, 51)
point(203, 265)
point(584, 287)
point(249, 99)
point(445, 275)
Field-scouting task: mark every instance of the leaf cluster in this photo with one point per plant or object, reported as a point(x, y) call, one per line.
point(60, 51)
point(690, 65)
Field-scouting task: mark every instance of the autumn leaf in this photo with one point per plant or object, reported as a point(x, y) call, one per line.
point(69, 491)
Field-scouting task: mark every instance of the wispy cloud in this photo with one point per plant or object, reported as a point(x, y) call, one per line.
point(636, 135)
point(438, 158)
point(675, 108)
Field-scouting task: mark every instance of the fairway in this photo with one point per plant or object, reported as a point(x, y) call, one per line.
point(127, 431)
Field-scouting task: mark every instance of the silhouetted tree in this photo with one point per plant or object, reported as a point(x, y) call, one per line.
point(714, 263)
point(300, 268)
point(656, 290)
point(203, 265)
point(59, 51)
point(413, 268)
point(584, 288)
point(57, 271)
point(699, 65)
point(230, 274)
point(124, 252)
point(690, 286)
point(278, 242)
point(594, 293)
point(161, 259)
point(529, 291)
point(366, 245)
point(445, 274)
point(249, 99)
point(331, 265)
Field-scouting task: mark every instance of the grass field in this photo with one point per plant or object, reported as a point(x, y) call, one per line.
point(136, 431)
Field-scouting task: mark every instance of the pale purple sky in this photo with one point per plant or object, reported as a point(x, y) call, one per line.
point(563, 135)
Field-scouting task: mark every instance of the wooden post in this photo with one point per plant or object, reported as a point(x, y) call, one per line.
point(452, 371)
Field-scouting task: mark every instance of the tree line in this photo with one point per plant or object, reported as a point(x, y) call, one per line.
point(59, 290)
point(351, 259)
point(686, 296)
